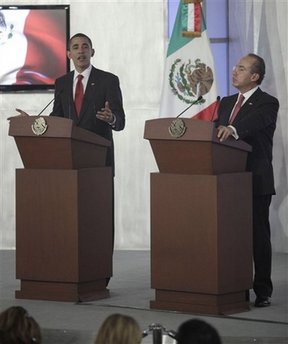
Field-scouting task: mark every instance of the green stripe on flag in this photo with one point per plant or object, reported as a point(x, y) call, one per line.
point(184, 18)
point(177, 41)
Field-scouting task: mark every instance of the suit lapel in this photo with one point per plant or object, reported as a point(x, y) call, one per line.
point(250, 103)
point(230, 102)
point(69, 102)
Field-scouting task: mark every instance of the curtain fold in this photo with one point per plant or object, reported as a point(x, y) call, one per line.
point(260, 26)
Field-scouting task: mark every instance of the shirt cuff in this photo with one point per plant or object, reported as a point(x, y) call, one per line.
point(235, 135)
point(112, 123)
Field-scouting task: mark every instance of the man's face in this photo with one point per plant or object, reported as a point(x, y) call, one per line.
point(80, 52)
point(243, 78)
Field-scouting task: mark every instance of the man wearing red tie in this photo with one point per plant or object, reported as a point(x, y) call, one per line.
point(251, 116)
point(89, 96)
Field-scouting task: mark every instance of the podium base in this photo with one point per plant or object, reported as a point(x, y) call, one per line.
point(201, 242)
point(64, 231)
point(200, 303)
point(56, 291)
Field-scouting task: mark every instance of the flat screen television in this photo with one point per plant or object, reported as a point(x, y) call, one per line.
point(33, 46)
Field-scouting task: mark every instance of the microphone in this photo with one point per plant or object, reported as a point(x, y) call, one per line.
point(55, 96)
point(215, 108)
point(193, 103)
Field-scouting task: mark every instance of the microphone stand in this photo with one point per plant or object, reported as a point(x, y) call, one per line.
point(45, 107)
point(193, 103)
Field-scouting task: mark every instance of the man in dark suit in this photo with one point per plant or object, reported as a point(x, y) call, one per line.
point(102, 108)
point(255, 124)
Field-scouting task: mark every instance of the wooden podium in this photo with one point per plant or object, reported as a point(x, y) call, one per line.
point(63, 211)
point(201, 220)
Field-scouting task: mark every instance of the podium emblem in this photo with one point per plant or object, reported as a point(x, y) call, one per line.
point(39, 126)
point(177, 128)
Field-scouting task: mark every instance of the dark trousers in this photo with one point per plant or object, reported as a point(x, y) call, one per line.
point(262, 251)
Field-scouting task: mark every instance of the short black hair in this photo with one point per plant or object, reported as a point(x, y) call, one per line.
point(258, 67)
point(79, 34)
point(196, 331)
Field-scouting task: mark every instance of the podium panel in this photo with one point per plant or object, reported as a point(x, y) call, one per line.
point(193, 157)
point(201, 242)
point(63, 233)
point(64, 210)
point(61, 146)
point(201, 219)
point(197, 151)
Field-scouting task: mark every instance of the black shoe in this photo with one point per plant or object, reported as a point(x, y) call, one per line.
point(262, 301)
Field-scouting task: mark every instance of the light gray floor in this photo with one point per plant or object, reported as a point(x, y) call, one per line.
point(64, 322)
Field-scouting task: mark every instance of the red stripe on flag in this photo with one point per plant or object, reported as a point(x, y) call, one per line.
point(197, 17)
point(210, 113)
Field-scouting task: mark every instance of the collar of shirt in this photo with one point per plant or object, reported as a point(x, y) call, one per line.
point(86, 74)
point(248, 94)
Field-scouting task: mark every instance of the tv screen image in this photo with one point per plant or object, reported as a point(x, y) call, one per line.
point(33, 46)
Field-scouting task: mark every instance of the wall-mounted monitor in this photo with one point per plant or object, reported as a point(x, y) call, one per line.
point(33, 46)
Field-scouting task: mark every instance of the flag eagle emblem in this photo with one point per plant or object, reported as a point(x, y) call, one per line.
point(189, 80)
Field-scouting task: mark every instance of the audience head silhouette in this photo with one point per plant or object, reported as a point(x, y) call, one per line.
point(119, 329)
point(196, 331)
point(18, 327)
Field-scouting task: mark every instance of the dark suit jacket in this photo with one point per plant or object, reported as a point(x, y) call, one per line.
point(101, 87)
point(255, 124)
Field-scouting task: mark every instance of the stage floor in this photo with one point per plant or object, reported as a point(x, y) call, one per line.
point(130, 293)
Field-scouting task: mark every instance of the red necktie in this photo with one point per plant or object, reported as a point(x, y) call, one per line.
point(79, 94)
point(236, 108)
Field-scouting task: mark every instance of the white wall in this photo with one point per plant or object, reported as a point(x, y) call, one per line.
point(130, 40)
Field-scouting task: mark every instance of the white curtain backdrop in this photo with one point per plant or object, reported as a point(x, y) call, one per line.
point(130, 40)
point(260, 26)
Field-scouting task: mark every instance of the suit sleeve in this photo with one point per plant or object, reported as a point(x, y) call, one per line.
point(263, 116)
point(114, 97)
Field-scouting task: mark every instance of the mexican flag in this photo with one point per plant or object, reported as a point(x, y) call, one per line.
point(189, 71)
